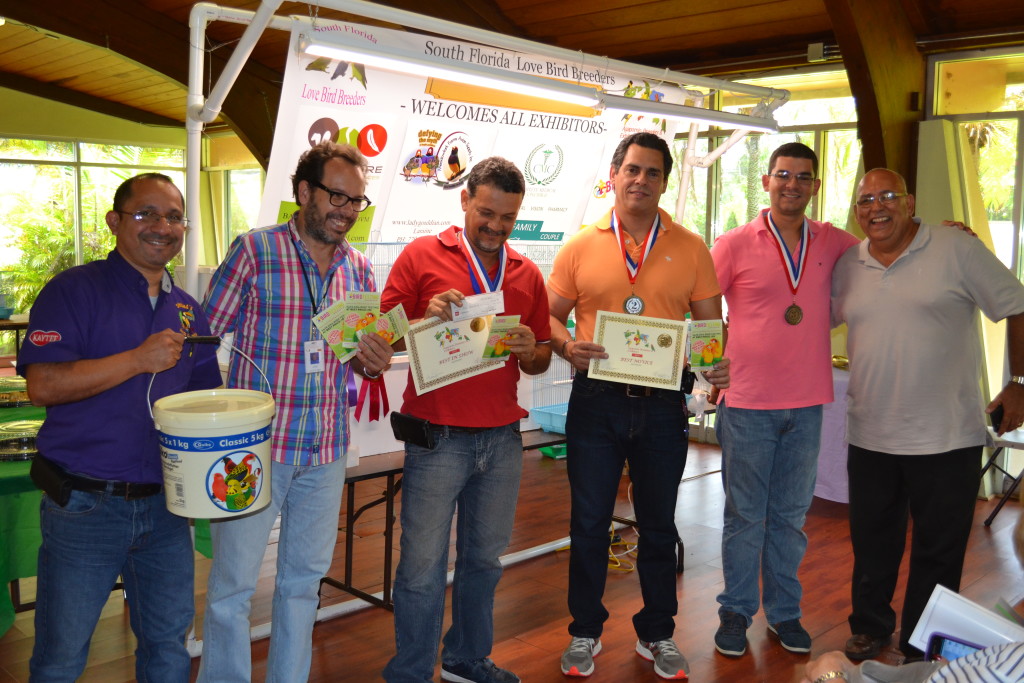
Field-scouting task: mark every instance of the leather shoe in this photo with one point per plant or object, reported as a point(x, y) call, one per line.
point(862, 646)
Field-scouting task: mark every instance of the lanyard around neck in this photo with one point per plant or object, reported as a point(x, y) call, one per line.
point(314, 304)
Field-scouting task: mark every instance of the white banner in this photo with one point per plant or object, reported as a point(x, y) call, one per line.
point(423, 135)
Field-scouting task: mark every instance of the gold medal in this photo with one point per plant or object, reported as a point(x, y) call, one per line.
point(794, 314)
point(477, 324)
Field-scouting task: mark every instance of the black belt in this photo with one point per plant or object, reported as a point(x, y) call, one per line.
point(122, 489)
point(462, 430)
point(634, 390)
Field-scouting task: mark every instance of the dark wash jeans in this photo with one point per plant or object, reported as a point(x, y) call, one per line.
point(605, 429)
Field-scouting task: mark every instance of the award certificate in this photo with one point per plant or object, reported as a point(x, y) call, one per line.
point(645, 351)
point(444, 352)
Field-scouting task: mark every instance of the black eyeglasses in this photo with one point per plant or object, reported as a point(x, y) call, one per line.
point(887, 197)
point(802, 178)
point(340, 199)
point(152, 218)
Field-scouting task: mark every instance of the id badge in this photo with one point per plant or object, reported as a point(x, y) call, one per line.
point(313, 353)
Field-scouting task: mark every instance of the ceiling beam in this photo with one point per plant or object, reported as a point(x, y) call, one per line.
point(83, 101)
point(887, 77)
point(485, 15)
point(157, 42)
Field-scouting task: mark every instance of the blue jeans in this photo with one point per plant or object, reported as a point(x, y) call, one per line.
point(86, 545)
point(769, 464)
point(605, 429)
point(477, 474)
point(308, 499)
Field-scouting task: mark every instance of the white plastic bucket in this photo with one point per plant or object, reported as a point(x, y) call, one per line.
point(215, 449)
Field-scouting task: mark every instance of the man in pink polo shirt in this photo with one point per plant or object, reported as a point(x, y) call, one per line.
point(775, 273)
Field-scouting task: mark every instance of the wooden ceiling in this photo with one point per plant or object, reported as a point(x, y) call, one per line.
point(129, 58)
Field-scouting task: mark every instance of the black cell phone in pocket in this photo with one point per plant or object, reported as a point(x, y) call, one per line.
point(51, 479)
point(412, 430)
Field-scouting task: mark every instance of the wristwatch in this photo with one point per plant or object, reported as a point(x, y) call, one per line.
point(831, 676)
point(1017, 379)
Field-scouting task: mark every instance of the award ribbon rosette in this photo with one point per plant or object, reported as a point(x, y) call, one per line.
point(641, 350)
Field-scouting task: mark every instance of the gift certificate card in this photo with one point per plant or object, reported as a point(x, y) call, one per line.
point(479, 305)
point(330, 323)
point(361, 311)
point(500, 329)
point(705, 344)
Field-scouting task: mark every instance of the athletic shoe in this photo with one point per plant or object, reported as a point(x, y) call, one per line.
point(476, 671)
point(792, 636)
point(731, 636)
point(578, 658)
point(669, 662)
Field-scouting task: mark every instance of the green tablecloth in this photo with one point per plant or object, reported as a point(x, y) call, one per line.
point(19, 519)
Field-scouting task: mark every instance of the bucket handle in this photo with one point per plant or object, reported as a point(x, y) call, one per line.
point(196, 339)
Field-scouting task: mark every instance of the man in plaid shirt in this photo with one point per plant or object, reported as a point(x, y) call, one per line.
point(267, 291)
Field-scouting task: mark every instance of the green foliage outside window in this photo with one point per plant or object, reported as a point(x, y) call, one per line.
point(44, 217)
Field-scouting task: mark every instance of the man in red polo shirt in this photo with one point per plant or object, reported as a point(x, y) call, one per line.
point(478, 457)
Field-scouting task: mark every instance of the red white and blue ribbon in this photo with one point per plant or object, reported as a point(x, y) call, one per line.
point(482, 283)
point(633, 269)
point(794, 268)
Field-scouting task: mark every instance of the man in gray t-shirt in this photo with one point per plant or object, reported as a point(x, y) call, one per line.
point(911, 296)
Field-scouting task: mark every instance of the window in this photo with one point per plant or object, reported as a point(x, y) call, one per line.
point(244, 190)
point(54, 202)
point(820, 114)
point(983, 94)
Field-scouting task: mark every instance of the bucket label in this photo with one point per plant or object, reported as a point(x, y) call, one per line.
point(201, 444)
point(234, 481)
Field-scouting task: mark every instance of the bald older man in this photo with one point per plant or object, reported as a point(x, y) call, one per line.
point(911, 294)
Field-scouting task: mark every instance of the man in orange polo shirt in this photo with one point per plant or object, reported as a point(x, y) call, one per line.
point(634, 260)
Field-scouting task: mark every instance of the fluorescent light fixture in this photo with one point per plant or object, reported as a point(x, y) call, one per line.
point(338, 46)
point(687, 113)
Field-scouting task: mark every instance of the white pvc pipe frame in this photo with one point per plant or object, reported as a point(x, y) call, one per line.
point(204, 109)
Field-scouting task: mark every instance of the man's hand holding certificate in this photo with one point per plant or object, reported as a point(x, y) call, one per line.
point(462, 337)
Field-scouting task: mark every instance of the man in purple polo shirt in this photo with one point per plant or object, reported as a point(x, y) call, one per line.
point(104, 341)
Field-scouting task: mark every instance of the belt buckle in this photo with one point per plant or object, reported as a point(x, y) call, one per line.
point(637, 391)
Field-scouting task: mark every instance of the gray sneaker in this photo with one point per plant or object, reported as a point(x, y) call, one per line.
point(578, 658)
point(669, 662)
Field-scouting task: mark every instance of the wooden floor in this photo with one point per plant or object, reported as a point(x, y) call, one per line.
point(530, 611)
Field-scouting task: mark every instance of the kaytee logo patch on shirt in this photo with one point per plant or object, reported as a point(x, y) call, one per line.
point(42, 338)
